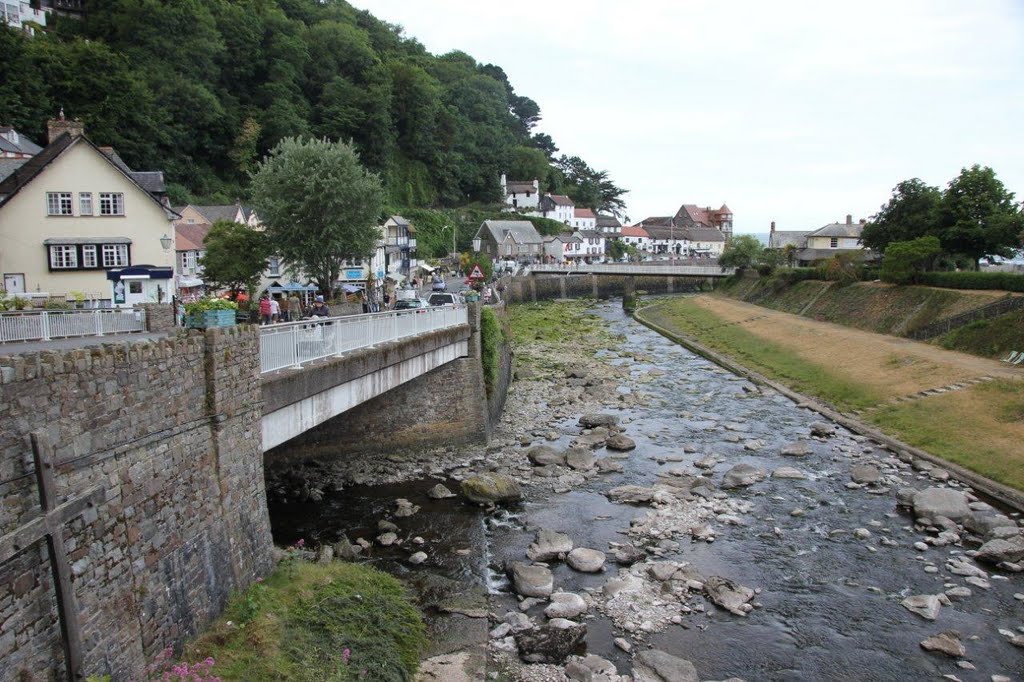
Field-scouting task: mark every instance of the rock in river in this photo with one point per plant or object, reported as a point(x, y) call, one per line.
point(439, 492)
point(996, 551)
point(549, 545)
point(727, 594)
point(657, 666)
point(590, 421)
point(551, 642)
point(822, 429)
point(491, 488)
point(620, 443)
point(742, 475)
point(542, 455)
point(945, 642)
point(864, 473)
point(565, 605)
point(532, 581)
point(933, 502)
point(925, 605)
point(797, 449)
point(586, 560)
point(579, 459)
point(788, 472)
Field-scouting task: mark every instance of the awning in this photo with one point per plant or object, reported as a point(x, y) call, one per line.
point(140, 272)
point(428, 268)
point(349, 289)
point(291, 286)
point(189, 282)
point(86, 240)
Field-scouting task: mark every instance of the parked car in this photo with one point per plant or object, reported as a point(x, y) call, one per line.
point(411, 304)
point(444, 299)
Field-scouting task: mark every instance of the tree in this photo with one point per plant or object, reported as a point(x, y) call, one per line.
point(911, 212)
point(616, 249)
point(235, 256)
point(319, 206)
point(903, 260)
point(789, 252)
point(978, 216)
point(742, 251)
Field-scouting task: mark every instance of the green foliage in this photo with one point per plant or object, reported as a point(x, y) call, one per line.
point(209, 303)
point(491, 336)
point(310, 622)
point(616, 249)
point(742, 251)
point(993, 338)
point(590, 188)
point(235, 256)
point(911, 212)
point(471, 259)
point(904, 260)
point(546, 227)
point(843, 268)
point(54, 304)
point(1006, 281)
point(319, 206)
point(978, 215)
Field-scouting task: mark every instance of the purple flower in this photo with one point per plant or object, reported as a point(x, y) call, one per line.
point(345, 654)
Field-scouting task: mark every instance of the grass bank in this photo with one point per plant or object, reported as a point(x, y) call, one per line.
point(979, 427)
point(312, 622)
point(993, 338)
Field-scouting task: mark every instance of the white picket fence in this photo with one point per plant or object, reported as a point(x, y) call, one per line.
point(59, 324)
point(294, 343)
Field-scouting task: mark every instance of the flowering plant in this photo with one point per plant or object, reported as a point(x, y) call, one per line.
point(164, 669)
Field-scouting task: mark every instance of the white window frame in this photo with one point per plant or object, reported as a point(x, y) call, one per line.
point(89, 256)
point(59, 204)
point(85, 205)
point(63, 257)
point(115, 255)
point(111, 203)
point(274, 266)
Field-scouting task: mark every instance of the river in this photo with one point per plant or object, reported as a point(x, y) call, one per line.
point(832, 560)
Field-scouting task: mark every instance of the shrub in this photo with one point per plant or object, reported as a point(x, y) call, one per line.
point(842, 268)
point(905, 261)
point(1006, 281)
point(490, 338)
point(209, 303)
point(54, 304)
point(794, 275)
point(765, 269)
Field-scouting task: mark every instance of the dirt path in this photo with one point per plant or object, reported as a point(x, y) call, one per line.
point(898, 368)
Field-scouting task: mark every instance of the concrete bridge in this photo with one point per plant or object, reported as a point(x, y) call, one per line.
point(660, 269)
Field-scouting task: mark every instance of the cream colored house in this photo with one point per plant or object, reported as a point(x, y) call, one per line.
point(75, 221)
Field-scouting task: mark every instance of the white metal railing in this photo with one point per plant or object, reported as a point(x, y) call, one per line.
point(294, 343)
point(626, 269)
point(59, 324)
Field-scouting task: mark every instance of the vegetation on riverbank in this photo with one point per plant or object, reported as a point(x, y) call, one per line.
point(979, 427)
point(993, 338)
point(540, 330)
point(312, 622)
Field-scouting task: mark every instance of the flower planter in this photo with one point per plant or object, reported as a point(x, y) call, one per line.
point(211, 318)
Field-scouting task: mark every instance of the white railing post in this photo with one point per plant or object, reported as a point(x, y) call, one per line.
point(44, 327)
point(98, 320)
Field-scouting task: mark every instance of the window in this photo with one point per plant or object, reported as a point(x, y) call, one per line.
point(85, 203)
point(58, 203)
point(114, 255)
point(273, 266)
point(188, 260)
point(63, 257)
point(89, 256)
point(834, 242)
point(111, 203)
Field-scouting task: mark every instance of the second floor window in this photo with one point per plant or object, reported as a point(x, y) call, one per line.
point(58, 203)
point(115, 255)
point(111, 203)
point(85, 203)
point(63, 257)
point(273, 266)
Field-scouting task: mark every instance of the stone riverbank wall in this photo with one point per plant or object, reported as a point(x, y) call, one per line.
point(159, 507)
point(533, 288)
point(447, 406)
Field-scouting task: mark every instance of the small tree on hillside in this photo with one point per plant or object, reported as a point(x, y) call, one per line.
point(742, 251)
point(235, 256)
point(319, 205)
point(903, 260)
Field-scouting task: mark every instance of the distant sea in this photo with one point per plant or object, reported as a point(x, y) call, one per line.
point(761, 236)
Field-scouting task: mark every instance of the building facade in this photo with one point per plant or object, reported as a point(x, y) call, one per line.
point(520, 195)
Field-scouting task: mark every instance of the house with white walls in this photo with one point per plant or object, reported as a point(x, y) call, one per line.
point(558, 207)
point(584, 219)
point(520, 195)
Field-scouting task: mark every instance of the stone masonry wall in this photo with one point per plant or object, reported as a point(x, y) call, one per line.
point(169, 432)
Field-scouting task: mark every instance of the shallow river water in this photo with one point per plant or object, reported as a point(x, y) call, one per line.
point(829, 608)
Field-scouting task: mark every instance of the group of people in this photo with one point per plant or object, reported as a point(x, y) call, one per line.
point(277, 308)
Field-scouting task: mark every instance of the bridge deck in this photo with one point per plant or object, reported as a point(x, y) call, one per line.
point(666, 270)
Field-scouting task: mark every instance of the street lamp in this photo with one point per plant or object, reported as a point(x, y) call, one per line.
point(165, 242)
point(455, 249)
point(476, 244)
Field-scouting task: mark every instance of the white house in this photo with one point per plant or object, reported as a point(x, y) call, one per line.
point(609, 225)
point(190, 247)
point(704, 242)
point(637, 237)
point(665, 238)
point(21, 15)
point(580, 244)
point(520, 195)
point(557, 207)
point(76, 221)
point(584, 219)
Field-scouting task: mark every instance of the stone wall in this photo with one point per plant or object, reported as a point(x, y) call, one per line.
point(159, 317)
point(168, 432)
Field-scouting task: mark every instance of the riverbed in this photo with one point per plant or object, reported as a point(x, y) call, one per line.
point(831, 560)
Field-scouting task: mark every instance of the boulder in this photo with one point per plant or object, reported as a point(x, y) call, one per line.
point(631, 494)
point(742, 475)
point(727, 594)
point(551, 642)
point(822, 429)
point(586, 560)
point(491, 488)
point(797, 449)
point(549, 545)
point(591, 668)
point(657, 666)
point(788, 472)
point(925, 605)
point(542, 455)
point(933, 502)
point(620, 443)
point(405, 508)
point(590, 440)
point(609, 465)
point(999, 550)
point(418, 558)
point(590, 421)
point(565, 605)
point(865, 474)
point(947, 643)
point(579, 459)
point(627, 554)
point(984, 522)
point(531, 581)
point(439, 492)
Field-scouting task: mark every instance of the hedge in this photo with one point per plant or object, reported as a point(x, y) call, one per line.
point(1006, 281)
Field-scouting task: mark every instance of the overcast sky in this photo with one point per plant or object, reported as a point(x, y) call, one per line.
point(798, 112)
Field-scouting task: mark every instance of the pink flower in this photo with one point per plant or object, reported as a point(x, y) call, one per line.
point(345, 654)
point(300, 543)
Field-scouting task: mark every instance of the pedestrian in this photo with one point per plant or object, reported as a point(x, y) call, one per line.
point(294, 308)
point(275, 310)
point(265, 309)
point(319, 308)
point(387, 299)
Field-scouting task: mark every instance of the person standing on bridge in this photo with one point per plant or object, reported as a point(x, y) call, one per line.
point(294, 308)
point(265, 309)
point(319, 308)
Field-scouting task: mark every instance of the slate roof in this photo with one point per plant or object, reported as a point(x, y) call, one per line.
point(561, 200)
point(702, 234)
point(521, 231)
point(567, 237)
point(655, 221)
point(215, 213)
point(8, 166)
point(839, 230)
point(583, 213)
point(22, 146)
point(190, 237)
point(607, 221)
point(780, 238)
point(151, 181)
point(591, 234)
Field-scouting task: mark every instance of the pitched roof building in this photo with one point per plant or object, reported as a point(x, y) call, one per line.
point(509, 239)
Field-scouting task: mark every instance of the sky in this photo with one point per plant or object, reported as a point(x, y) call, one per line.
point(797, 112)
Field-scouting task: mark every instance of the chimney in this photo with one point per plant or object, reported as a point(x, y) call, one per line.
point(773, 227)
point(58, 126)
point(849, 219)
point(107, 151)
